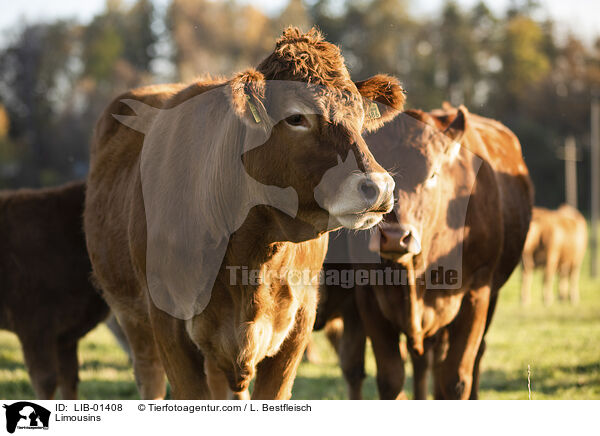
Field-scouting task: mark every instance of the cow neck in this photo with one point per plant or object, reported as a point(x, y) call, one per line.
point(261, 238)
point(413, 308)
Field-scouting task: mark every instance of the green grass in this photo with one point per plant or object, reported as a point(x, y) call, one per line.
point(560, 343)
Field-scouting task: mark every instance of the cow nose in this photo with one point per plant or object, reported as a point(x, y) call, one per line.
point(400, 239)
point(377, 191)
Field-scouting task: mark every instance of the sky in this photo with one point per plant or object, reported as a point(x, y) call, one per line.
point(579, 16)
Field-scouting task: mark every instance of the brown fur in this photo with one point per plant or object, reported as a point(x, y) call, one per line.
point(448, 323)
point(556, 241)
point(245, 331)
point(47, 298)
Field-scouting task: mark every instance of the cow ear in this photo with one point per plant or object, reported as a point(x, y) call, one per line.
point(247, 97)
point(458, 126)
point(447, 106)
point(384, 99)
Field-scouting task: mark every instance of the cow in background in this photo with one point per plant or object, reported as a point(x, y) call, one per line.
point(464, 202)
point(556, 241)
point(46, 296)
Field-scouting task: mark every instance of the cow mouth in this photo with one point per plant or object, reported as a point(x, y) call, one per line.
point(360, 221)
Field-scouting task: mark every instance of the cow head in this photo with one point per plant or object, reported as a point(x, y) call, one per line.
point(307, 116)
point(427, 145)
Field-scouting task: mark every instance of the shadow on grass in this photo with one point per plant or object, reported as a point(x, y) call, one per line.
point(7, 363)
point(97, 364)
point(334, 388)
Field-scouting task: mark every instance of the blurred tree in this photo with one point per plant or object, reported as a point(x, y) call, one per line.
point(34, 81)
point(524, 62)
point(294, 14)
point(457, 54)
point(56, 78)
point(9, 162)
point(119, 42)
point(217, 38)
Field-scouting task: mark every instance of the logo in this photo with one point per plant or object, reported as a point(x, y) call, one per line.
point(26, 415)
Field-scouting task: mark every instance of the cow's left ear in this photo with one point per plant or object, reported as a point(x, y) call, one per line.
point(247, 97)
point(458, 126)
point(384, 99)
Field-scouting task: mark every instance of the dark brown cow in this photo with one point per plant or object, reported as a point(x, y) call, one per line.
point(462, 208)
point(556, 241)
point(158, 193)
point(47, 298)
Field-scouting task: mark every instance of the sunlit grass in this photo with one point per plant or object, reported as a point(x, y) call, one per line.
point(560, 343)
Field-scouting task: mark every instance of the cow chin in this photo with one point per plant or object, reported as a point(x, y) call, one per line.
point(361, 221)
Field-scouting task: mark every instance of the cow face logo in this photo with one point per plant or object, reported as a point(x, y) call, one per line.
point(26, 415)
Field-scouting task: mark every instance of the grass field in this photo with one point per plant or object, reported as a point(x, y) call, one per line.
point(560, 343)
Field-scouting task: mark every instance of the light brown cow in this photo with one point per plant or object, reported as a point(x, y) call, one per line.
point(462, 208)
point(556, 241)
point(308, 116)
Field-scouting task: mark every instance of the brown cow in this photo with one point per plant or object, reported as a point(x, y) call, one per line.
point(556, 241)
point(163, 211)
point(463, 205)
point(47, 298)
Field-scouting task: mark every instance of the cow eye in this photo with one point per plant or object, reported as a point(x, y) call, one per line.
point(297, 120)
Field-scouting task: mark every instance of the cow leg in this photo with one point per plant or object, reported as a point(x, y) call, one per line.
point(475, 387)
point(563, 283)
point(334, 330)
point(385, 340)
point(351, 351)
point(275, 375)
point(181, 358)
point(311, 354)
point(68, 375)
point(574, 284)
point(465, 336)
point(242, 395)
point(549, 273)
point(421, 364)
point(217, 382)
point(40, 352)
point(526, 279)
point(440, 351)
point(147, 368)
point(118, 333)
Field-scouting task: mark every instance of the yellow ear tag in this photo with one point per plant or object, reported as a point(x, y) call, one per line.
point(373, 112)
point(253, 110)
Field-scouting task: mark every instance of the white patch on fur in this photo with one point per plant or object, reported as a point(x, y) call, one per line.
point(454, 150)
point(432, 181)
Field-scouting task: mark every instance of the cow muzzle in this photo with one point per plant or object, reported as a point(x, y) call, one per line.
point(393, 240)
point(362, 200)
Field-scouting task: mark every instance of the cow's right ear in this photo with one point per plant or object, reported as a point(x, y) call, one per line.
point(458, 126)
point(384, 97)
point(247, 97)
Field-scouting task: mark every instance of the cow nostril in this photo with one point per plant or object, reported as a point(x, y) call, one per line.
point(384, 238)
point(369, 190)
point(405, 239)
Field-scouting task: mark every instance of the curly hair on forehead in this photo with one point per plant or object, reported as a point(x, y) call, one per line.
point(306, 57)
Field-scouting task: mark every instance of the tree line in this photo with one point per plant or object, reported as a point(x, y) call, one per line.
point(56, 77)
